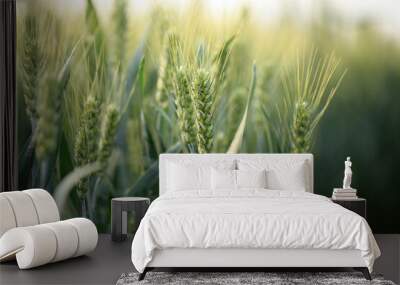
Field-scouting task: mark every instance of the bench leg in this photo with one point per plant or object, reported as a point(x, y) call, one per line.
point(143, 274)
point(364, 271)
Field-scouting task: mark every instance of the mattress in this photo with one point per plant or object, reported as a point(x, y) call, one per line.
point(250, 219)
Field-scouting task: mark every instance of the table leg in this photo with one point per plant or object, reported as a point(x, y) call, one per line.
point(124, 226)
point(116, 223)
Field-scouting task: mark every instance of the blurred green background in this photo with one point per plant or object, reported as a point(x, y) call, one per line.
point(98, 98)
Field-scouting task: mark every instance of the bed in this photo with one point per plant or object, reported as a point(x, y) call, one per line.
point(246, 211)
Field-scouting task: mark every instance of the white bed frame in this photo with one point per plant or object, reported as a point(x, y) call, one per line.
point(246, 258)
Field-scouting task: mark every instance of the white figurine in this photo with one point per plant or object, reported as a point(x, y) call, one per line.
point(347, 174)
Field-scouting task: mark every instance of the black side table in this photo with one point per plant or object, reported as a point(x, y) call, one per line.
point(357, 205)
point(119, 215)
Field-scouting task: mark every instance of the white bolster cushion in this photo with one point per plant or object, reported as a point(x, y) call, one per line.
point(40, 244)
point(23, 208)
point(45, 205)
point(87, 234)
point(66, 238)
point(26, 208)
point(7, 219)
point(33, 246)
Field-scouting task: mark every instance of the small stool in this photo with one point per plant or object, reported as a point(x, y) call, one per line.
point(119, 215)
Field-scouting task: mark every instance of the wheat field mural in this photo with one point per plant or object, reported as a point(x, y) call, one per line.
point(100, 97)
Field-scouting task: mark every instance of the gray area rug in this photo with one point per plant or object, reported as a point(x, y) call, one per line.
point(229, 278)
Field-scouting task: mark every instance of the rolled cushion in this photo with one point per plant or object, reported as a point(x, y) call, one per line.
point(45, 205)
point(33, 246)
point(26, 208)
point(37, 245)
point(87, 235)
point(7, 218)
point(23, 208)
point(66, 238)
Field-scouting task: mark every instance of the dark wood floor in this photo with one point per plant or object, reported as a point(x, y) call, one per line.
point(110, 260)
point(103, 266)
point(389, 262)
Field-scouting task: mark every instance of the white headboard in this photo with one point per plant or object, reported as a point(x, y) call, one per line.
point(204, 158)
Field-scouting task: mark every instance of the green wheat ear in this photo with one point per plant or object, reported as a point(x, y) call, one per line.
point(184, 107)
point(309, 87)
point(48, 108)
point(86, 141)
point(300, 131)
point(88, 134)
point(203, 102)
point(109, 131)
point(32, 58)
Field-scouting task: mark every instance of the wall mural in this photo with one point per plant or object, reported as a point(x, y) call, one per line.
point(100, 97)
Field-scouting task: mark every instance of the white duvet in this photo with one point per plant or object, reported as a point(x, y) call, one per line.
point(250, 219)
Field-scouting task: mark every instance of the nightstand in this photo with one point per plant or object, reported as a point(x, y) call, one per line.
point(119, 211)
point(357, 205)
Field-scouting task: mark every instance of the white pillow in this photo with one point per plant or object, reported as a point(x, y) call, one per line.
point(281, 174)
point(187, 174)
point(181, 177)
point(226, 179)
point(251, 178)
point(293, 179)
point(223, 179)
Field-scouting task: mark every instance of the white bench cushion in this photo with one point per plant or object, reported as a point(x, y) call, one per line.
point(26, 208)
point(7, 220)
point(31, 232)
point(45, 205)
point(40, 244)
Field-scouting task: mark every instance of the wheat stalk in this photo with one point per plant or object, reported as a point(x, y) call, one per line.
point(301, 140)
point(120, 29)
point(86, 142)
point(180, 76)
point(135, 145)
point(48, 108)
point(309, 89)
point(203, 102)
point(184, 107)
point(88, 133)
point(32, 65)
point(164, 83)
point(236, 104)
point(220, 66)
point(109, 130)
